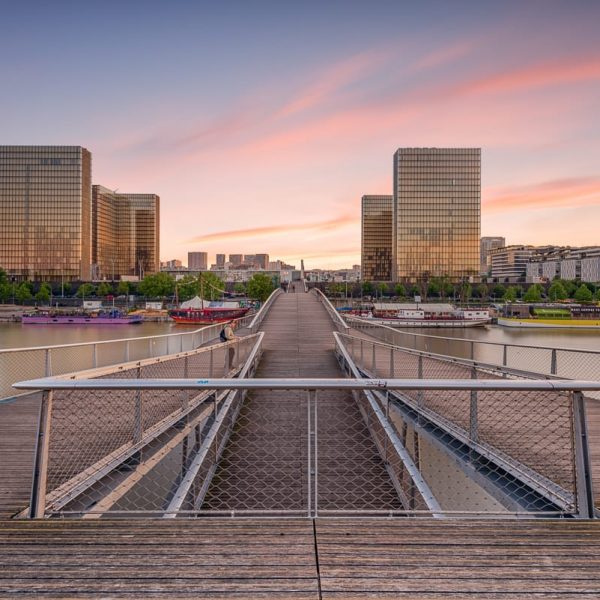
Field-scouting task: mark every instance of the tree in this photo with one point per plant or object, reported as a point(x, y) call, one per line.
point(510, 294)
point(187, 287)
point(44, 292)
point(533, 294)
point(498, 291)
point(85, 289)
point(157, 285)
point(367, 288)
point(465, 291)
point(23, 293)
point(557, 291)
point(482, 290)
point(399, 290)
point(382, 288)
point(123, 288)
point(3, 276)
point(211, 286)
point(433, 288)
point(5, 291)
point(239, 288)
point(584, 294)
point(104, 289)
point(260, 287)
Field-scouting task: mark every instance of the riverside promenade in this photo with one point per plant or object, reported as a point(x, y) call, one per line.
point(304, 500)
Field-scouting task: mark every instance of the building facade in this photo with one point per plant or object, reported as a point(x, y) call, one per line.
point(125, 233)
point(198, 261)
point(377, 237)
point(45, 212)
point(550, 262)
point(487, 244)
point(236, 259)
point(509, 264)
point(220, 260)
point(261, 261)
point(437, 213)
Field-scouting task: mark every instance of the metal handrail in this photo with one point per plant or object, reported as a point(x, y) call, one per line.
point(260, 315)
point(333, 313)
point(563, 385)
point(468, 340)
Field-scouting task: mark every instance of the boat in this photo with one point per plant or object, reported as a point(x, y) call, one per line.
point(202, 312)
point(206, 316)
point(111, 317)
point(427, 315)
point(550, 316)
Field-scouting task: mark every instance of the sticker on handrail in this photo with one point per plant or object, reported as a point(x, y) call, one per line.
point(202, 381)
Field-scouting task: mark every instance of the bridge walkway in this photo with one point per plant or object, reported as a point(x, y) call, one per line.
point(265, 465)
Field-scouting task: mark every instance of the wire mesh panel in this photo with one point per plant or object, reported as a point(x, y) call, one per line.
point(265, 465)
point(133, 446)
point(352, 474)
point(523, 442)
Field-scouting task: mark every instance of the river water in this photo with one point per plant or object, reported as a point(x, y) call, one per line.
point(16, 335)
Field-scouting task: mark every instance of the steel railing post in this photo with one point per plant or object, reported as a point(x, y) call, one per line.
point(95, 355)
point(583, 470)
point(48, 363)
point(391, 363)
point(504, 355)
point(150, 348)
point(472, 350)
point(316, 436)
point(553, 362)
point(37, 505)
point(137, 416)
point(373, 360)
point(127, 351)
point(473, 419)
point(210, 363)
point(309, 452)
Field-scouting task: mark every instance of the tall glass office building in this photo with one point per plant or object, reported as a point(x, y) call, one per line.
point(45, 212)
point(125, 234)
point(437, 213)
point(376, 238)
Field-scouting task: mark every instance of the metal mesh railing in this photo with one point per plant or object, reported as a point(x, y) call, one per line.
point(521, 445)
point(18, 364)
point(569, 363)
point(392, 447)
point(99, 438)
point(339, 323)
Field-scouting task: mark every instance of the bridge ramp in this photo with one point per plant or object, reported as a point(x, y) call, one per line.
point(266, 465)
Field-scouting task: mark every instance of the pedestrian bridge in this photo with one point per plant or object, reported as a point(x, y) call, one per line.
point(309, 419)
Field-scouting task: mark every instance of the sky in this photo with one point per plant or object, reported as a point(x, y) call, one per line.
point(261, 124)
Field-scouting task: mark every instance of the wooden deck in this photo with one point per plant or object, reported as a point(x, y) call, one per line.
point(18, 427)
point(403, 559)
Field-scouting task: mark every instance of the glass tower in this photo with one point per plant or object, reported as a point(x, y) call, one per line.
point(125, 233)
point(376, 238)
point(437, 213)
point(45, 212)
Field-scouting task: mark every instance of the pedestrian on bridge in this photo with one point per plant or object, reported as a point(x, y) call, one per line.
point(227, 335)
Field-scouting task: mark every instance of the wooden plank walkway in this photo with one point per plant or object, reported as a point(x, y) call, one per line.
point(18, 428)
point(265, 465)
point(404, 559)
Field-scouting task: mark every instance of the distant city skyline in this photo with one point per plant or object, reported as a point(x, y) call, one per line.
point(262, 126)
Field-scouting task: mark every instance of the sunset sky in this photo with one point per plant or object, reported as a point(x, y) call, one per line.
point(261, 124)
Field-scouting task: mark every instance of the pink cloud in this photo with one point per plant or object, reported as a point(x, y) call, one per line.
point(571, 70)
point(570, 192)
point(283, 229)
point(334, 78)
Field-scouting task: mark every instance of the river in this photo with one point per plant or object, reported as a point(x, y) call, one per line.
point(15, 335)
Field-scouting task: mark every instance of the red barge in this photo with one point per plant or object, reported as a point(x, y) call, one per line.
point(206, 316)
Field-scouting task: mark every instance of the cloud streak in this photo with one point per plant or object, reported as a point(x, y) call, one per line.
point(569, 192)
point(283, 229)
